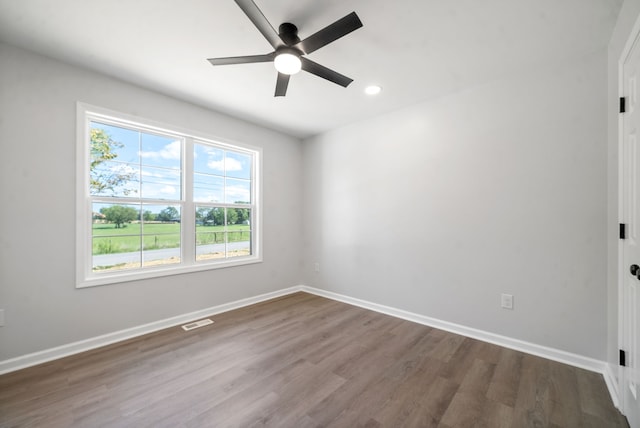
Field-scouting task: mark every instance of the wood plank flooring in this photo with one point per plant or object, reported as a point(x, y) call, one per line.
point(305, 361)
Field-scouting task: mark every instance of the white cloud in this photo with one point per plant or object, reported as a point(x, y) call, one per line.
point(171, 151)
point(212, 198)
point(165, 174)
point(123, 169)
point(168, 190)
point(238, 193)
point(232, 164)
point(210, 151)
point(147, 174)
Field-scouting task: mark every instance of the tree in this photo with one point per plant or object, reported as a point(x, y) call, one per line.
point(119, 214)
point(210, 216)
point(168, 214)
point(232, 216)
point(201, 215)
point(103, 150)
point(243, 215)
point(148, 216)
point(217, 216)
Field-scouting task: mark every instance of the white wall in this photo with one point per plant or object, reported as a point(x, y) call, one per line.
point(438, 208)
point(37, 180)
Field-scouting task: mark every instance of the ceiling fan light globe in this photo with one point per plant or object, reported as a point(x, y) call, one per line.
point(287, 63)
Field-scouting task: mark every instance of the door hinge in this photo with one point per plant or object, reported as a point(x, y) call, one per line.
point(623, 231)
point(623, 105)
point(623, 358)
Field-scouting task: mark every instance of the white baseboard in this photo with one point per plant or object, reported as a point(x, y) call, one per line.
point(605, 369)
point(51, 354)
point(508, 342)
point(611, 380)
point(531, 348)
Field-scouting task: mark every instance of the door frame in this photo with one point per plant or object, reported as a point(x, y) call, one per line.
point(632, 40)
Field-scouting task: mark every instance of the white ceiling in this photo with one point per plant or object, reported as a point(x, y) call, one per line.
point(415, 49)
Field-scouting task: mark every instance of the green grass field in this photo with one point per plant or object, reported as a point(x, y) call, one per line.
point(109, 240)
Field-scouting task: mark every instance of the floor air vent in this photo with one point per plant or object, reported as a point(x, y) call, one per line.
point(196, 324)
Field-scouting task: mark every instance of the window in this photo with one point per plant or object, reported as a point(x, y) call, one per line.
point(156, 201)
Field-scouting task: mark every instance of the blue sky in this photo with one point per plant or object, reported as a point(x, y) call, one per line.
point(154, 162)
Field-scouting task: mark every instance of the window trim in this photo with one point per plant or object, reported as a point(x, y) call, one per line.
point(85, 277)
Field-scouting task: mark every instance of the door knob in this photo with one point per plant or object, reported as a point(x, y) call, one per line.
point(634, 269)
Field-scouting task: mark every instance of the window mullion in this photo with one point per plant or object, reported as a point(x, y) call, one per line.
point(188, 207)
point(138, 202)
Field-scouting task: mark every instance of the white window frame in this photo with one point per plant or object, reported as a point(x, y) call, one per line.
point(85, 277)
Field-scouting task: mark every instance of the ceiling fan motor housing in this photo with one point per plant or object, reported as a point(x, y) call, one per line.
point(289, 33)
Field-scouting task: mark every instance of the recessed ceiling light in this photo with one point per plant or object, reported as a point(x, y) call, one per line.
point(372, 90)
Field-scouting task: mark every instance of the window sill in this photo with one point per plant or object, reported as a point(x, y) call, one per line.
point(115, 278)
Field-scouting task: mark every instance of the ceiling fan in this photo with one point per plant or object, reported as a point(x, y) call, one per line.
point(288, 56)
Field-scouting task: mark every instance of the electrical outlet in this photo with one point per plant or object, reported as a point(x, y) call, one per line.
point(1, 317)
point(507, 301)
point(317, 267)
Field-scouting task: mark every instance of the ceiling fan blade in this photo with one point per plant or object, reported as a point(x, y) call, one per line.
point(330, 33)
point(242, 59)
point(282, 84)
point(324, 72)
point(255, 15)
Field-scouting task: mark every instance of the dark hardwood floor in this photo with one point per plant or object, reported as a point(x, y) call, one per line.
point(305, 361)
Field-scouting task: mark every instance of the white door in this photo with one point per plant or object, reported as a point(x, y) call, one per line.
point(630, 296)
